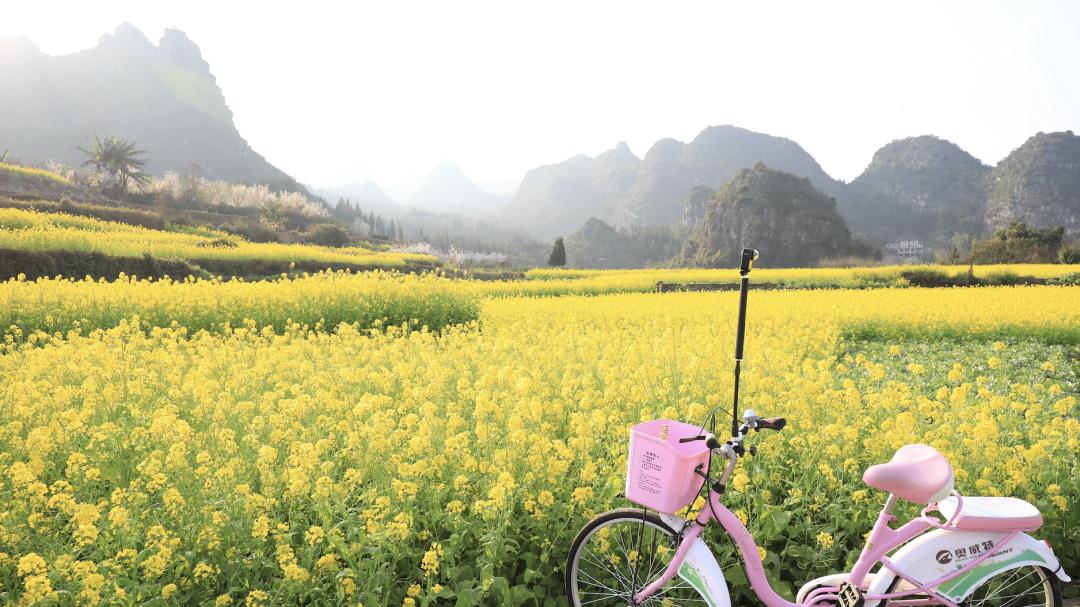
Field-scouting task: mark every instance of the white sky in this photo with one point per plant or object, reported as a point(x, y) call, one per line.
point(340, 92)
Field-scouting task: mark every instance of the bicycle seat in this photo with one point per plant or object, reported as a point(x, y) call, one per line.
point(917, 473)
point(992, 514)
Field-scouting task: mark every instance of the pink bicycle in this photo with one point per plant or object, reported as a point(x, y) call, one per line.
point(972, 551)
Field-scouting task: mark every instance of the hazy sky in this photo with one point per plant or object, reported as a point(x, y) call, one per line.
point(340, 92)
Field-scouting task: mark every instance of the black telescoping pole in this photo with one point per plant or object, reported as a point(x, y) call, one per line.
point(748, 257)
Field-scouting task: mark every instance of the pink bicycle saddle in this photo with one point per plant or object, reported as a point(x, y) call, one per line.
point(917, 473)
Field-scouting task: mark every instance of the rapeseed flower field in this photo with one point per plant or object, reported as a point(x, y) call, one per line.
point(7, 169)
point(34, 231)
point(54, 307)
point(347, 464)
point(555, 280)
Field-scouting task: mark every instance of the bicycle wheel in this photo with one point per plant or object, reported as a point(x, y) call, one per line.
point(617, 554)
point(1027, 586)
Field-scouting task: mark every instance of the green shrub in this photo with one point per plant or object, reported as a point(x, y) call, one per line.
point(219, 243)
point(925, 277)
point(253, 232)
point(1004, 277)
point(1068, 254)
point(327, 235)
point(1073, 278)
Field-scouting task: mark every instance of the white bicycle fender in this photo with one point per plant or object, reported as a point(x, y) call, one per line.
point(701, 571)
point(939, 552)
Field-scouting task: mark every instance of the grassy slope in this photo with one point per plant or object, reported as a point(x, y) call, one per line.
point(30, 231)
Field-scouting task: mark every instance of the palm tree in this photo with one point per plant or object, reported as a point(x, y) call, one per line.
point(119, 158)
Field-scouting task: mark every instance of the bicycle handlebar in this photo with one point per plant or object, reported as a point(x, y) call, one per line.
point(752, 423)
point(775, 423)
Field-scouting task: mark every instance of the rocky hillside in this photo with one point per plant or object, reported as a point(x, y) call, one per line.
point(557, 198)
point(163, 97)
point(1038, 183)
point(598, 245)
point(923, 188)
point(671, 169)
point(625, 191)
point(695, 204)
point(772, 211)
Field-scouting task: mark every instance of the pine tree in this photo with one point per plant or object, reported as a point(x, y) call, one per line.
point(558, 254)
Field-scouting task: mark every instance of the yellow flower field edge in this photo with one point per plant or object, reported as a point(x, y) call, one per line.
point(33, 231)
point(605, 281)
point(21, 171)
point(325, 299)
point(54, 307)
point(407, 468)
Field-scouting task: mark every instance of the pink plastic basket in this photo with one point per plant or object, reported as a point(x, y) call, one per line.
point(660, 469)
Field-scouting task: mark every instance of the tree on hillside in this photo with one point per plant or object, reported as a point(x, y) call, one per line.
point(119, 159)
point(1020, 243)
point(272, 214)
point(190, 183)
point(558, 254)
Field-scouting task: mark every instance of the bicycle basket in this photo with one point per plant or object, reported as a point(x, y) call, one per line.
point(660, 469)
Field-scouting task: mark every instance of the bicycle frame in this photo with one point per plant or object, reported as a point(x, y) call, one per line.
point(945, 590)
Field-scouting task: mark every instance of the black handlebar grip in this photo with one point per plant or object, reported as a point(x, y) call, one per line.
point(776, 423)
point(712, 442)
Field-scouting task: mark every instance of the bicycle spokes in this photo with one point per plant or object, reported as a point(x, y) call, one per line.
point(1023, 587)
point(623, 556)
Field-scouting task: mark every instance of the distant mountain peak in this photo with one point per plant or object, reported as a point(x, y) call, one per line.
point(625, 191)
point(775, 210)
point(368, 196)
point(597, 244)
point(448, 188)
point(665, 149)
point(715, 130)
point(593, 224)
point(181, 50)
point(18, 46)
point(925, 150)
point(448, 169)
point(1038, 183)
point(919, 188)
point(126, 37)
point(162, 97)
point(620, 153)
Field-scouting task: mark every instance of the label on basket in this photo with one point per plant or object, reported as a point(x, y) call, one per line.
point(649, 468)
